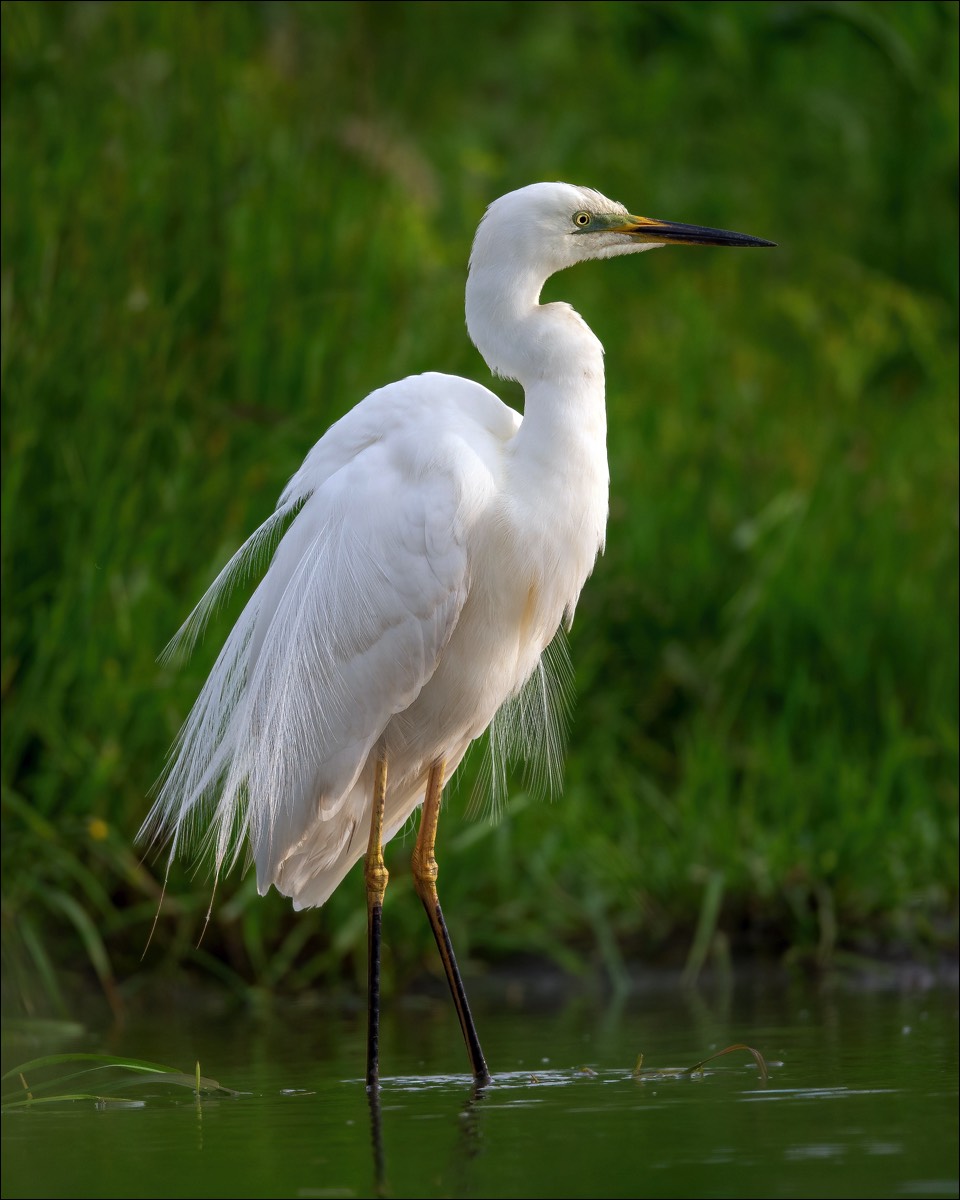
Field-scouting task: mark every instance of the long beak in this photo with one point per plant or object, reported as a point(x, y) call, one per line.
point(647, 229)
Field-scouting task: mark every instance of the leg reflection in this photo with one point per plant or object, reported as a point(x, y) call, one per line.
point(376, 1139)
point(468, 1143)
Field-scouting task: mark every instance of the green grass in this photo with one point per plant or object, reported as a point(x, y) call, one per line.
point(98, 1073)
point(223, 224)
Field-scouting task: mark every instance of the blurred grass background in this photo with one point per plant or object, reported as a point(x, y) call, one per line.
point(224, 224)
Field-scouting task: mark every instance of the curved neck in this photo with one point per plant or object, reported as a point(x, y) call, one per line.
point(522, 339)
point(551, 351)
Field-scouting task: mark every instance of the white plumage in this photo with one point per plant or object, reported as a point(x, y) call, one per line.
point(438, 544)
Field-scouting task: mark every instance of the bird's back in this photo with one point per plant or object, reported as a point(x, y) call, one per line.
point(367, 630)
point(486, 555)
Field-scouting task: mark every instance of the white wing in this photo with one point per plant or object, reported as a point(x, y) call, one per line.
point(347, 625)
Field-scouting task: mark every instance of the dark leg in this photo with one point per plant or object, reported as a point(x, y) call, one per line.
point(376, 876)
point(425, 879)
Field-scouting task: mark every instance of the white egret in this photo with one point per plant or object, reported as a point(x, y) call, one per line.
point(438, 543)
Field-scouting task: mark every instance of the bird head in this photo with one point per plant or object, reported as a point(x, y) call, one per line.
point(530, 234)
point(549, 226)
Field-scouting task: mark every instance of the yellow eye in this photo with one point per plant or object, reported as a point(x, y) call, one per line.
point(582, 219)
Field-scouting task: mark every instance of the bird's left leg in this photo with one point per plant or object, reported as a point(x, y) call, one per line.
point(376, 876)
point(425, 878)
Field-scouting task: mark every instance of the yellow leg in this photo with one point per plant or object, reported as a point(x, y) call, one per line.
point(425, 878)
point(376, 876)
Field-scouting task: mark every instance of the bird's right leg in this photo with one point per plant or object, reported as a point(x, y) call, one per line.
point(425, 879)
point(375, 874)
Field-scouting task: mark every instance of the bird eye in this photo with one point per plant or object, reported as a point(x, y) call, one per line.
point(582, 219)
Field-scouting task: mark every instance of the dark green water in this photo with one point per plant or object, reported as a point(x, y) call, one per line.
point(861, 1101)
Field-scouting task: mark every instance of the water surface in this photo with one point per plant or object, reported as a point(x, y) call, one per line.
point(861, 1100)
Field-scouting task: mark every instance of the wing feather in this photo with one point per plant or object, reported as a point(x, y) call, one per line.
point(347, 625)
